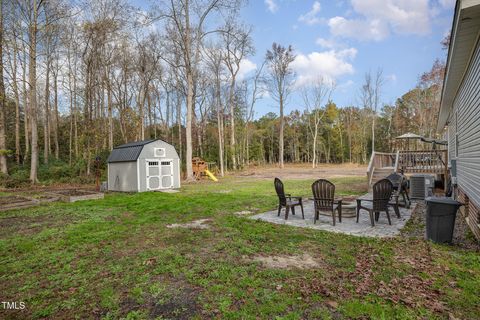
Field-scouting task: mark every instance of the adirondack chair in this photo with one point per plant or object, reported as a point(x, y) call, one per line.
point(400, 184)
point(382, 194)
point(324, 200)
point(286, 200)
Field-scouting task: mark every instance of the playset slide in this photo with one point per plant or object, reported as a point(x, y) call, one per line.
point(210, 175)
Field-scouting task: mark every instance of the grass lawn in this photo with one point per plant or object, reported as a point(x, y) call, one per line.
point(115, 258)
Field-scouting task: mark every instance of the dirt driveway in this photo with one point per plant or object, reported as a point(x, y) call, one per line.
point(305, 171)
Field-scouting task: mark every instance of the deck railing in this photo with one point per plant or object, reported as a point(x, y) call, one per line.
point(380, 160)
point(431, 161)
point(409, 161)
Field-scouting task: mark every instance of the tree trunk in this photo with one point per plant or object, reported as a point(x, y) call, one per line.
point(219, 127)
point(26, 109)
point(55, 124)
point(110, 118)
point(373, 132)
point(189, 73)
point(32, 77)
point(17, 100)
point(46, 119)
point(3, 104)
point(188, 129)
point(314, 148)
point(179, 125)
point(232, 123)
point(280, 147)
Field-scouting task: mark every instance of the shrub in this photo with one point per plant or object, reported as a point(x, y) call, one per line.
point(12, 181)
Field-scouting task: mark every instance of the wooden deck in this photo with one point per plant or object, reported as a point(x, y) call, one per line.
point(409, 162)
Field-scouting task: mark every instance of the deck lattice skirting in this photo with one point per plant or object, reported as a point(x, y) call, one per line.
point(471, 212)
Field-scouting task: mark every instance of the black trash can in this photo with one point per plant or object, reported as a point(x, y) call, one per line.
point(441, 214)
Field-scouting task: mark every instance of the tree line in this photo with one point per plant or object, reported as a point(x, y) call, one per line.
point(78, 78)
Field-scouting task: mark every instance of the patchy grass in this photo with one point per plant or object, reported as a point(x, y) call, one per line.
point(115, 258)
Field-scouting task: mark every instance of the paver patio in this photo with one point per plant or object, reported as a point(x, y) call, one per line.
point(348, 225)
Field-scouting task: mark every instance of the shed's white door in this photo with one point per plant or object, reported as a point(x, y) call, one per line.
point(159, 174)
point(166, 178)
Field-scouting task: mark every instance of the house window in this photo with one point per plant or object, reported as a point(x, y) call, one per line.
point(152, 163)
point(159, 152)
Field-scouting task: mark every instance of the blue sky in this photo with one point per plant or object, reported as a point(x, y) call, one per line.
point(342, 40)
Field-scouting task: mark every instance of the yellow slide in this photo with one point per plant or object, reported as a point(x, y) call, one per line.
point(210, 175)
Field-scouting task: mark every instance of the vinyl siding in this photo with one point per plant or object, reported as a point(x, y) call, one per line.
point(122, 176)
point(467, 114)
point(148, 153)
point(451, 139)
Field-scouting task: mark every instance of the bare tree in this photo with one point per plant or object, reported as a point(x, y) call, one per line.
point(280, 83)
point(32, 8)
point(238, 45)
point(189, 20)
point(253, 92)
point(214, 62)
point(314, 97)
point(370, 95)
point(3, 102)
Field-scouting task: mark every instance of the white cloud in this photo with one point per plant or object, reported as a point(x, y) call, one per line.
point(377, 18)
point(271, 5)
point(246, 66)
point(325, 43)
point(392, 77)
point(406, 16)
point(328, 65)
point(345, 86)
point(447, 4)
point(311, 17)
point(360, 29)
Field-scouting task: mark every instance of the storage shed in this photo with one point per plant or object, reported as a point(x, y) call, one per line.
point(143, 166)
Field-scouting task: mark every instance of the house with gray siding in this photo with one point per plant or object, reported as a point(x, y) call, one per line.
point(459, 115)
point(140, 166)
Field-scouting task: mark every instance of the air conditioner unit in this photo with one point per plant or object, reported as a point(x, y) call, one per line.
point(421, 186)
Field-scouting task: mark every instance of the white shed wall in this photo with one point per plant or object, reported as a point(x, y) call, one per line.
point(122, 176)
point(148, 153)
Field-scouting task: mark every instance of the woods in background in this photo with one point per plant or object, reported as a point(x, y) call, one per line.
point(78, 78)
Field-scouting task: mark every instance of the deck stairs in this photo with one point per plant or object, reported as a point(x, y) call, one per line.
point(380, 173)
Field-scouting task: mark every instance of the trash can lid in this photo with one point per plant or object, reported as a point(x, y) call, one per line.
point(443, 200)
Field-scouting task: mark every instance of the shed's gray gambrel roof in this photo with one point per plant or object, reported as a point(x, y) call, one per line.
point(128, 152)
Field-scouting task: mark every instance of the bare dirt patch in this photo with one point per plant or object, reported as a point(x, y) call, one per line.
point(305, 171)
point(222, 191)
point(243, 213)
point(304, 261)
point(196, 224)
point(178, 301)
point(21, 225)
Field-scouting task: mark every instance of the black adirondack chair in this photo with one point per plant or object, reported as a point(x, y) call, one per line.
point(382, 194)
point(286, 200)
point(400, 188)
point(324, 200)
